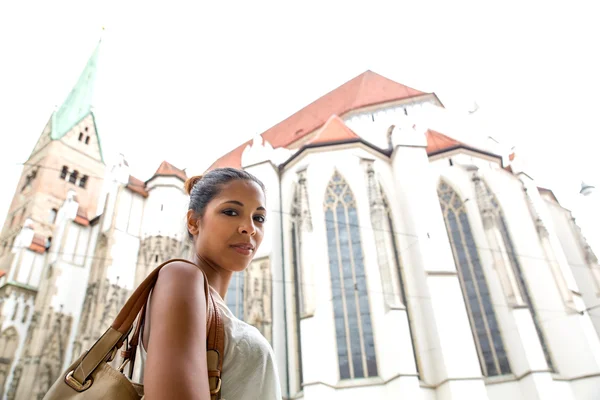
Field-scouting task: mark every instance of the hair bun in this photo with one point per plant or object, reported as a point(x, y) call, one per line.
point(191, 182)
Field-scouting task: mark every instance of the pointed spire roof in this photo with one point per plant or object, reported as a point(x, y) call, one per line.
point(78, 103)
point(334, 130)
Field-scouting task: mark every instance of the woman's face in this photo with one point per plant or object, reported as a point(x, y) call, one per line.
point(232, 227)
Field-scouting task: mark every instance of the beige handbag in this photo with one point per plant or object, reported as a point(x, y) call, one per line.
point(92, 378)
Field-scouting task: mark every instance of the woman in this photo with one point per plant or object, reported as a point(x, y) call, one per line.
point(225, 221)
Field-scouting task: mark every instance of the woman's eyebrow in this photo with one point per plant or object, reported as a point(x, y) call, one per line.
point(261, 208)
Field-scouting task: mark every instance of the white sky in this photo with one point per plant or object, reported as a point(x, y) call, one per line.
point(186, 83)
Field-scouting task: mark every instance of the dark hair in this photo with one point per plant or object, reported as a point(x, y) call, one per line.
point(203, 188)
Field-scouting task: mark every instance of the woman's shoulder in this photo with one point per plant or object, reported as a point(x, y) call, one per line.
point(181, 271)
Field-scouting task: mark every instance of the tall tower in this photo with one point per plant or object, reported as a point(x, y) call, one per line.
point(59, 187)
point(67, 156)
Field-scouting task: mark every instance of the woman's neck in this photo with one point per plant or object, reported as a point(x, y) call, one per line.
point(218, 278)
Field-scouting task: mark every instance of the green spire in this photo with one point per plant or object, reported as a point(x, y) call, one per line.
point(79, 102)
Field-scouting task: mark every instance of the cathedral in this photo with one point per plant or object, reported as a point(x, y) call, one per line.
point(398, 261)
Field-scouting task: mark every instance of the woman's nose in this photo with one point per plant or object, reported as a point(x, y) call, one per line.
point(247, 230)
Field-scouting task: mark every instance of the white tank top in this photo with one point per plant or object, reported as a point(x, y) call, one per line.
point(249, 369)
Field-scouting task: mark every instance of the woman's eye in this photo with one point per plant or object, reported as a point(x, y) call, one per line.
point(232, 213)
point(260, 218)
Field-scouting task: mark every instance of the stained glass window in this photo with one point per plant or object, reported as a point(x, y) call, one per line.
point(354, 333)
point(488, 340)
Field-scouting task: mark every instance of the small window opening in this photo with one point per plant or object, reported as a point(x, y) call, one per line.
point(161, 207)
point(373, 117)
point(405, 111)
point(87, 140)
point(52, 217)
point(80, 136)
point(450, 162)
point(64, 172)
point(83, 181)
point(25, 314)
point(73, 177)
point(156, 258)
point(86, 128)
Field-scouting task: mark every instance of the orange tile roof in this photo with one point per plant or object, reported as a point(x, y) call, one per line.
point(2, 273)
point(232, 159)
point(137, 186)
point(438, 142)
point(167, 169)
point(367, 89)
point(81, 217)
point(38, 244)
point(334, 130)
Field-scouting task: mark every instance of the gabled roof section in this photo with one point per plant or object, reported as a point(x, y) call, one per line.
point(137, 186)
point(78, 103)
point(334, 130)
point(167, 169)
point(438, 142)
point(367, 89)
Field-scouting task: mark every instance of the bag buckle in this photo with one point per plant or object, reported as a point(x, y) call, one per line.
point(218, 389)
point(80, 387)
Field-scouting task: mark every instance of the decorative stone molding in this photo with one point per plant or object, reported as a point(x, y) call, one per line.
point(539, 224)
point(258, 309)
point(484, 201)
point(384, 239)
point(305, 220)
point(490, 215)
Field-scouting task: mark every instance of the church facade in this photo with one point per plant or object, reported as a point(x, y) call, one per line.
point(397, 260)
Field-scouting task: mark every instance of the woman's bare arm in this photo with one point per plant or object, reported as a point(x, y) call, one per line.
point(176, 364)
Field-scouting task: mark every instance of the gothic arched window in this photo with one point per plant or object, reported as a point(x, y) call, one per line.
point(518, 271)
point(235, 295)
point(354, 332)
point(488, 340)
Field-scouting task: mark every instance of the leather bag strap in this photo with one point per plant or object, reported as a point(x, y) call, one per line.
point(114, 337)
point(215, 345)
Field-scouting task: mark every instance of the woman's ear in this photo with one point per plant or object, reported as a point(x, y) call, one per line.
point(192, 222)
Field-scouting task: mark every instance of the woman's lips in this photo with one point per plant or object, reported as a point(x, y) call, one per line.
point(245, 249)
